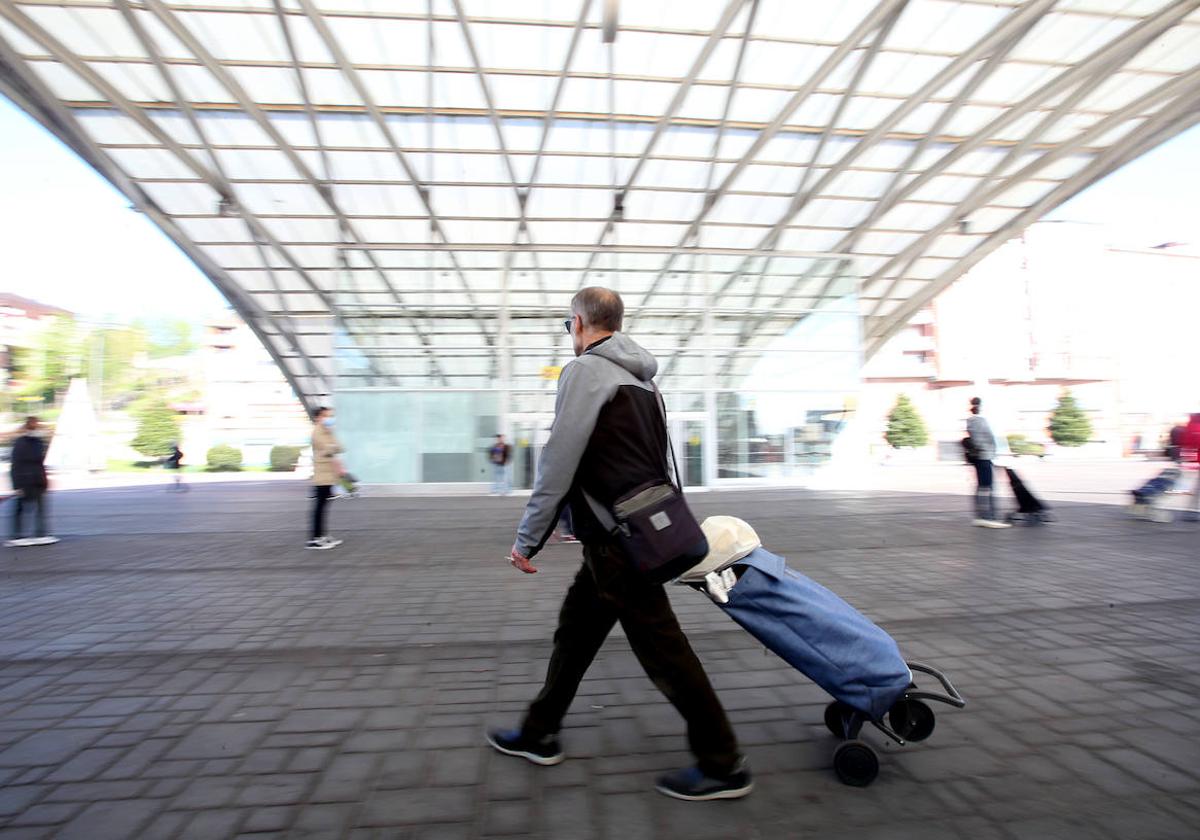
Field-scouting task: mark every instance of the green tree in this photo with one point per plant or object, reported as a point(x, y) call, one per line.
point(167, 337)
point(157, 429)
point(47, 367)
point(905, 426)
point(109, 363)
point(1069, 424)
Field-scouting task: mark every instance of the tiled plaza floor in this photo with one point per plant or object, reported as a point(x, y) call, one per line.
point(180, 667)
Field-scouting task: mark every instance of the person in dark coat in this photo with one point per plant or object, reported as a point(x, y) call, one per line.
point(174, 462)
point(29, 484)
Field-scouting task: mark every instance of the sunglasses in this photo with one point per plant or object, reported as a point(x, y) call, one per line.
point(567, 324)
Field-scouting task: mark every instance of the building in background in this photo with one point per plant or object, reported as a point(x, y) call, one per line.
point(244, 399)
point(21, 322)
point(1054, 309)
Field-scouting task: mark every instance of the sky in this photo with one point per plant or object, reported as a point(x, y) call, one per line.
point(68, 238)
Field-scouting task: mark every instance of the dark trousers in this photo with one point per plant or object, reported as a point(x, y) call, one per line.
point(30, 500)
point(606, 590)
point(985, 502)
point(324, 491)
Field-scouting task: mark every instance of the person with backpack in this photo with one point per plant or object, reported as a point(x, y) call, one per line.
point(610, 439)
point(980, 447)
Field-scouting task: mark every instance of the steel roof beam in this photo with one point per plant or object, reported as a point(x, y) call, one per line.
point(980, 196)
point(251, 108)
point(772, 238)
point(335, 49)
point(1176, 118)
point(24, 87)
point(32, 30)
point(152, 51)
point(512, 21)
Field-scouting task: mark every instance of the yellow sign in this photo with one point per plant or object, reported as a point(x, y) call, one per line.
point(551, 371)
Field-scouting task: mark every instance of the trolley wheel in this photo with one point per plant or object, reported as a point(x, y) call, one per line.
point(855, 763)
point(835, 715)
point(912, 720)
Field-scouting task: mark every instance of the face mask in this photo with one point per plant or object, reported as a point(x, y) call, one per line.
point(328, 421)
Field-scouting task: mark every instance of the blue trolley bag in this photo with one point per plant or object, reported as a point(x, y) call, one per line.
point(818, 634)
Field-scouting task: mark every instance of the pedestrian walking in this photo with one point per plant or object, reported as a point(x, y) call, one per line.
point(326, 472)
point(609, 437)
point(174, 463)
point(1189, 448)
point(30, 484)
point(981, 451)
point(499, 456)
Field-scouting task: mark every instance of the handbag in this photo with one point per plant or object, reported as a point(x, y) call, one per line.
point(970, 453)
point(654, 525)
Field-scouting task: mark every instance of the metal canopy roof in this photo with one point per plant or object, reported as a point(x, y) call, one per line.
point(427, 182)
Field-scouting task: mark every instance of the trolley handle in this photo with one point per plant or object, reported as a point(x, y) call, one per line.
point(953, 699)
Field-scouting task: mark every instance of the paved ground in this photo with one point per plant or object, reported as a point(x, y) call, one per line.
point(178, 667)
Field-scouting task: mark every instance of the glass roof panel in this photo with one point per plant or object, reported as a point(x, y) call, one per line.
point(447, 157)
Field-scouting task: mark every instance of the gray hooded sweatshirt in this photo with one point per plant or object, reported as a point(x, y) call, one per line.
point(609, 437)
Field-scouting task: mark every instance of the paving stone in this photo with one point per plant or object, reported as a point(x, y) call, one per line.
point(49, 747)
point(15, 799)
point(110, 820)
point(276, 789)
point(218, 740)
point(84, 765)
point(218, 672)
point(417, 807)
point(47, 814)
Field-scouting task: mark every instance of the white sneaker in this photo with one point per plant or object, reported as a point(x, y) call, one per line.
point(21, 542)
point(47, 540)
point(992, 523)
point(329, 542)
point(318, 545)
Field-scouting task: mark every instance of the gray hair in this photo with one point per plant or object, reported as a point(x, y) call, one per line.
point(599, 307)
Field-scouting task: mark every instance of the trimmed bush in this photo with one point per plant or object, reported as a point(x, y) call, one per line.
point(1020, 446)
point(285, 458)
point(157, 429)
point(1069, 424)
point(224, 458)
point(905, 426)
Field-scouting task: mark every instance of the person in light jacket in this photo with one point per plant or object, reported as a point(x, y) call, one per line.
point(983, 444)
point(327, 468)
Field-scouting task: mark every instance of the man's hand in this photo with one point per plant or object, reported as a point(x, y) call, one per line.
point(521, 562)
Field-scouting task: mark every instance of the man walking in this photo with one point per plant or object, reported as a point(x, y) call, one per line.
point(609, 436)
point(499, 455)
point(29, 485)
point(983, 451)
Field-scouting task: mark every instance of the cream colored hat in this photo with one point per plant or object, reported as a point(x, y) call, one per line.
point(729, 539)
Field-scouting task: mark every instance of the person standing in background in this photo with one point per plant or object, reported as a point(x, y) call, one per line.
point(29, 483)
point(499, 456)
point(326, 471)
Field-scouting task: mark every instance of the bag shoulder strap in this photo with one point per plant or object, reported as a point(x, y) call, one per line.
point(602, 514)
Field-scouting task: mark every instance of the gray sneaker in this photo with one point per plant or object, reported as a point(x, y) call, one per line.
point(692, 785)
point(544, 751)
